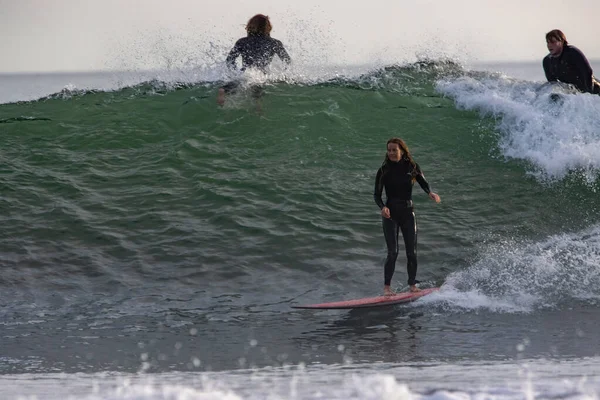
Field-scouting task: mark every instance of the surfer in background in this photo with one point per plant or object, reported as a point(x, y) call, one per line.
point(397, 175)
point(567, 64)
point(257, 50)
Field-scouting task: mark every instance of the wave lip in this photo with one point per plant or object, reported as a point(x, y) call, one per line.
point(549, 127)
point(41, 87)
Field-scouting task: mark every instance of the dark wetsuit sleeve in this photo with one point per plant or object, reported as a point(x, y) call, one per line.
point(422, 181)
point(547, 70)
point(378, 192)
point(282, 53)
point(584, 70)
point(232, 56)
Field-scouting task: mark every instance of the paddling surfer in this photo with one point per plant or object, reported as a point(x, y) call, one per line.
point(566, 63)
point(257, 50)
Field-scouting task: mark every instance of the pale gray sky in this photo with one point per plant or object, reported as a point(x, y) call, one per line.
point(83, 35)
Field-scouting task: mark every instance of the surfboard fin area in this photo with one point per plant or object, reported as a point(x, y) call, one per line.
point(378, 301)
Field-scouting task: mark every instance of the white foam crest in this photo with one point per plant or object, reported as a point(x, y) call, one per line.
point(551, 128)
point(192, 55)
point(28, 87)
point(475, 299)
point(521, 277)
point(161, 392)
point(540, 379)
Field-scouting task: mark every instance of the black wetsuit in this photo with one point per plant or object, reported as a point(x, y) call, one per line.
point(257, 51)
point(571, 67)
point(397, 179)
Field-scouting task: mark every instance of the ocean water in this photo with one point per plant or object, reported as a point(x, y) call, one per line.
point(153, 244)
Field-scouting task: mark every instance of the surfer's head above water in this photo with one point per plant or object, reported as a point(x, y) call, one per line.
point(567, 64)
point(397, 150)
point(556, 41)
point(259, 25)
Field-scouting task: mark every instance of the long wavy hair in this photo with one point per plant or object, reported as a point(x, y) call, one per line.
point(558, 35)
point(259, 25)
point(405, 156)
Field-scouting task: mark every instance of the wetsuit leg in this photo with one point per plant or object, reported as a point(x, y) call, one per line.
point(230, 87)
point(257, 91)
point(390, 232)
point(408, 226)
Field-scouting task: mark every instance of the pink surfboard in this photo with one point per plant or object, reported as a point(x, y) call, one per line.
point(370, 301)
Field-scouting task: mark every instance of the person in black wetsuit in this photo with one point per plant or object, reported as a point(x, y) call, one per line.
point(567, 64)
point(397, 175)
point(257, 51)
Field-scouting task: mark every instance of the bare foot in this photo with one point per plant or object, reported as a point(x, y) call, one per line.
point(387, 291)
point(221, 97)
point(414, 289)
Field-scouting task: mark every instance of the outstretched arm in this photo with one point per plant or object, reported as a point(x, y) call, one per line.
point(282, 53)
point(232, 56)
point(425, 185)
